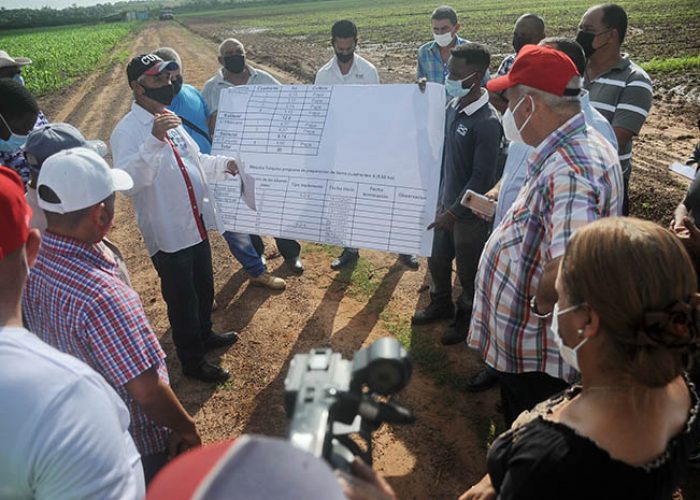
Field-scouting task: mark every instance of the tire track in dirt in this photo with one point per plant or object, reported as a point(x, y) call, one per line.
point(437, 458)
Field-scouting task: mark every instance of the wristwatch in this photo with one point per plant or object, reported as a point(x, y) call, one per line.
point(535, 311)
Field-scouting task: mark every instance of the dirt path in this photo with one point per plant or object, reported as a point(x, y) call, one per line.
point(436, 458)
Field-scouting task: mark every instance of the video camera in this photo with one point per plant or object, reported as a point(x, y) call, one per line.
point(330, 399)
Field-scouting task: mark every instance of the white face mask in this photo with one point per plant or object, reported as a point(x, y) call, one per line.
point(568, 354)
point(510, 129)
point(443, 40)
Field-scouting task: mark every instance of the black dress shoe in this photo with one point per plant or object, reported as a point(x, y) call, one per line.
point(435, 311)
point(410, 261)
point(483, 380)
point(206, 372)
point(453, 336)
point(216, 340)
point(345, 258)
point(295, 265)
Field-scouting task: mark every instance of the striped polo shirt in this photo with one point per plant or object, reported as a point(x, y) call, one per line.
point(623, 95)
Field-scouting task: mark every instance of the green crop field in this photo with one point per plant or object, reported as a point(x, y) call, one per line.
point(658, 28)
point(61, 55)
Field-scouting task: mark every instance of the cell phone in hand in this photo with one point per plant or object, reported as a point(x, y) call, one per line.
point(479, 204)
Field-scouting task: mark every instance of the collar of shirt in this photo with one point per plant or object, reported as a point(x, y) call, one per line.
point(221, 80)
point(573, 126)
point(144, 116)
point(57, 244)
point(475, 106)
point(353, 69)
point(620, 65)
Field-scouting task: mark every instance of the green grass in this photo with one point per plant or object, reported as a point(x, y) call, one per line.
point(672, 64)
point(655, 28)
point(424, 351)
point(433, 359)
point(62, 55)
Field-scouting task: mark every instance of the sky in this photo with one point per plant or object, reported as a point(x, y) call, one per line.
point(55, 4)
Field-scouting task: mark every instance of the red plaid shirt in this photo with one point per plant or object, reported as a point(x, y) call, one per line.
point(75, 301)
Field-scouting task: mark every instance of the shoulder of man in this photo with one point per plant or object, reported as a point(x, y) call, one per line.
point(426, 47)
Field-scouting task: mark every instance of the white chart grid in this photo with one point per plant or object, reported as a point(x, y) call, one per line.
point(358, 214)
point(277, 119)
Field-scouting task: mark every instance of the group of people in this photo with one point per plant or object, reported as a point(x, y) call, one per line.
point(550, 289)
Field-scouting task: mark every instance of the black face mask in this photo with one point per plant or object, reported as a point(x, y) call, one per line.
point(519, 42)
point(234, 63)
point(177, 85)
point(585, 40)
point(163, 95)
point(344, 58)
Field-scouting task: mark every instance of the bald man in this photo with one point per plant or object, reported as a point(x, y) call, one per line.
point(236, 71)
point(528, 30)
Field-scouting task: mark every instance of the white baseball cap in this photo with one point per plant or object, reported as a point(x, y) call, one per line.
point(80, 178)
point(7, 60)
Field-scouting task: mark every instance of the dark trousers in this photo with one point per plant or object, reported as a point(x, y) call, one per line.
point(464, 244)
point(522, 391)
point(187, 285)
point(289, 249)
point(626, 199)
point(152, 464)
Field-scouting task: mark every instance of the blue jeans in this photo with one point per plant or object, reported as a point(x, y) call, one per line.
point(242, 248)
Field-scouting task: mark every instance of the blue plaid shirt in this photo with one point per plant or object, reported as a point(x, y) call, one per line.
point(432, 67)
point(430, 63)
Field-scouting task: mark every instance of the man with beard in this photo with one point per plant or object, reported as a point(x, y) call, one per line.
point(173, 207)
point(347, 67)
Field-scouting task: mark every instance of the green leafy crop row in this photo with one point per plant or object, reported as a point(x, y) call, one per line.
point(61, 55)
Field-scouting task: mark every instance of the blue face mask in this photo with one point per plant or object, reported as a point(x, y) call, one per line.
point(18, 78)
point(15, 141)
point(454, 87)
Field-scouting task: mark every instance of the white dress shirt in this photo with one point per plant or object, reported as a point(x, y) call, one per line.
point(159, 195)
point(362, 72)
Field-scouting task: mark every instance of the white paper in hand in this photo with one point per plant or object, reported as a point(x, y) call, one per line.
point(247, 185)
point(684, 170)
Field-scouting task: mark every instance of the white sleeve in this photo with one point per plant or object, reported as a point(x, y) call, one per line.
point(320, 78)
point(84, 451)
point(141, 159)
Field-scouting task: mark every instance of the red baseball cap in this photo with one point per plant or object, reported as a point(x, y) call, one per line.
point(542, 68)
point(14, 212)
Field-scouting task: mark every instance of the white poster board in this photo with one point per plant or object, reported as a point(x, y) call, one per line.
point(350, 165)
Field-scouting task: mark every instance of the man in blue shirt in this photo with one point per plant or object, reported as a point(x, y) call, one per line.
point(433, 55)
point(188, 103)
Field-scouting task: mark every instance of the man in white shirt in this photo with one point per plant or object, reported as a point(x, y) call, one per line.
point(173, 207)
point(349, 68)
point(64, 431)
point(235, 71)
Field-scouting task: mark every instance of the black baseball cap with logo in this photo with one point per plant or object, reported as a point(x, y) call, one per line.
point(148, 64)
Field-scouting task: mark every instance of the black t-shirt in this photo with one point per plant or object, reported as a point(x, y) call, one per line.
point(549, 460)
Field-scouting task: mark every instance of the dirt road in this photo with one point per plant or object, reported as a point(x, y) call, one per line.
point(438, 457)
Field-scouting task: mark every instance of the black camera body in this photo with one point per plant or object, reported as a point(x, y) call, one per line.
point(331, 400)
